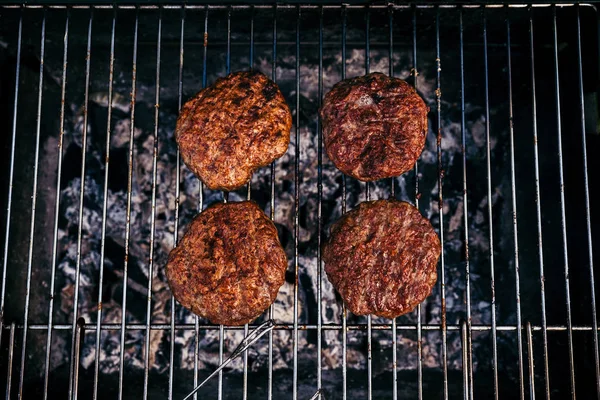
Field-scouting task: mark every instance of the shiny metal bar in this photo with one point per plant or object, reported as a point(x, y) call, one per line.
point(320, 215)
point(463, 129)
point(393, 196)
point(33, 207)
point(465, 358)
point(368, 198)
point(128, 207)
point(56, 209)
point(10, 361)
point(438, 96)
point(153, 208)
point(514, 211)
point(271, 308)
point(296, 207)
point(587, 199)
point(531, 364)
point(489, 207)
point(104, 202)
point(308, 327)
point(176, 222)
point(539, 210)
point(11, 168)
point(78, 339)
point(72, 393)
point(417, 196)
point(344, 311)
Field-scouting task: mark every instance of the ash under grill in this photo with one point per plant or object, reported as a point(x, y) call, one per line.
point(513, 113)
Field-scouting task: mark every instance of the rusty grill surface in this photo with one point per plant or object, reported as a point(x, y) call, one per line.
point(95, 196)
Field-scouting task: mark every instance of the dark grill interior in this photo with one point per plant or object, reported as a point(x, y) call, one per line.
point(94, 92)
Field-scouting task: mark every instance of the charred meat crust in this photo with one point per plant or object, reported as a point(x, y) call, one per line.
point(374, 126)
point(233, 127)
point(229, 265)
point(382, 258)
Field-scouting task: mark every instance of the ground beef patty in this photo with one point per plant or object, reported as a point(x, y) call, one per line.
point(381, 257)
point(229, 265)
point(374, 126)
point(231, 128)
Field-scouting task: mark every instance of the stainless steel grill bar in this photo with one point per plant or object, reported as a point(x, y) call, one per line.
point(296, 207)
point(587, 194)
point(79, 332)
point(56, 208)
point(465, 358)
point(393, 196)
point(199, 208)
point(562, 205)
point(489, 207)
point(245, 355)
point(514, 210)
point(320, 215)
point(344, 311)
point(11, 173)
point(104, 203)
point(271, 308)
point(531, 364)
point(469, 352)
point(438, 96)
point(308, 327)
point(11, 349)
point(368, 198)
point(538, 208)
point(176, 222)
point(74, 361)
point(306, 6)
point(128, 207)
point(153, 208)
point(417, 196)
point(33, 207)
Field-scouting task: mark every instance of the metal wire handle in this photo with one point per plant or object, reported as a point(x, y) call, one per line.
point(248, 341)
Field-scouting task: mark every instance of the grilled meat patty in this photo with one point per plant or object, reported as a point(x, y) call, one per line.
point(233, 127)
point(229, 265)
point(374, 126)
point(381, 257)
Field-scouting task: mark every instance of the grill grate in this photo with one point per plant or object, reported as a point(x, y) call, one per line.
point(524, 289)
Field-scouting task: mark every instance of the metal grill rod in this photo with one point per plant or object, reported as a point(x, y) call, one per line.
point(344, 311)
point(393, 196)
point(271, 308)
point(319, 214)
point(73, 369)
point(489, 206)
point(587, 193)
point(56, 209)
point(104, 203)
point(538, 207)
point(33, 208)
point(153, 209)
point(438, 95)
point(296, 208)
point(11, 173)
point(128, 207)
point(468, 363)
point(415, 71)
point(514, 210)
point(176, 222)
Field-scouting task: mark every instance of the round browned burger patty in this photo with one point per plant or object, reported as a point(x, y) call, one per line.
point(374, 126)
point(233, 127)
point(381, 257)
point(229, 265)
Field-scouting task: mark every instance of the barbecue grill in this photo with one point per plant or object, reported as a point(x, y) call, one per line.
point(94, 196)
